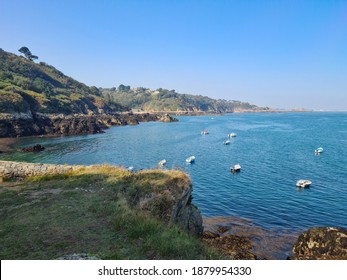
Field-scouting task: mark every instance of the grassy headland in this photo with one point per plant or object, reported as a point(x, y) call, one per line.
point(95, 211)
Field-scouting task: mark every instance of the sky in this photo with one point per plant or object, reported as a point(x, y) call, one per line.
point(280, 54)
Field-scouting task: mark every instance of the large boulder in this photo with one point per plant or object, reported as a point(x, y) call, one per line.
point(321, 243)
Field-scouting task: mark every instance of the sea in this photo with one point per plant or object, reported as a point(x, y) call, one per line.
point(274, 150)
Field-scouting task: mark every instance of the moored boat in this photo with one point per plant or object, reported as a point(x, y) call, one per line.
point(226, 142)
point(318, 150)
point(235, 168)
point(131, 168)
point(162, 162)
point(204, 132)
point(191, 159)
point(303, 183)
point(233, 134)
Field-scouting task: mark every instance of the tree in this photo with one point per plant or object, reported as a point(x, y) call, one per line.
point(124, 88)
point(27, 53)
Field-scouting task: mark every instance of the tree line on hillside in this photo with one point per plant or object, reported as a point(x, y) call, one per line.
point(26, 86)
point(144, 99)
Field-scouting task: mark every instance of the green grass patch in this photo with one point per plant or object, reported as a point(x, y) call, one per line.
point(48, 177)
point(90, 211)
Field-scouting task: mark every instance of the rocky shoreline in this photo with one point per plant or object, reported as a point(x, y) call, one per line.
point(256, 242)
point(21, 125)
point(240, 239)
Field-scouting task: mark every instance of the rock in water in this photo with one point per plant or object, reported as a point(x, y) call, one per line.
point(35, 148)
point(321, 243)
point(167, 118)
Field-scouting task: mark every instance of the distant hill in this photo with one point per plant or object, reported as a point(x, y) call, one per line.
point(28, 87)
point(38, 99)
point(144, 99)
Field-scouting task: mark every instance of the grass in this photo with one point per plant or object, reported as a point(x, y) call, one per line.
point(93, 211)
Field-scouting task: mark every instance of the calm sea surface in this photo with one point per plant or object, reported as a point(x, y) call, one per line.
point(274, 150)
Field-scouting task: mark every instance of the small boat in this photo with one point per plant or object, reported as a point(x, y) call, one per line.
point(226, 142)
point(233, 134)
point(131, 168)
point(162, 162)
point(303, 183)
point(318, 150)
point(235, 168)
point(204, 132)
point(191, 159)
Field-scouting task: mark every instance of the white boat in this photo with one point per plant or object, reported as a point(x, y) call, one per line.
point(131, 168)
point(191, 159)
point(226, 142)
point(162, 162)
point(204, 132)
point(235, 168)
point(303, 183)
point(318, 150)
point(233, 134)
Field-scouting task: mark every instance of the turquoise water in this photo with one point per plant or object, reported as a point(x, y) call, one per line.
point(274, 150)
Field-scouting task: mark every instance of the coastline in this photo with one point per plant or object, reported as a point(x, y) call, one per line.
point(130, 118)
point(236, 111)
point(13, 126)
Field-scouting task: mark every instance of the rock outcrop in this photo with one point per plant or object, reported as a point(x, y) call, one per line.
point(321, 243)
point(14, 126)
point(171, 203)
point(17, 125)
point(233, 246)
point(186, 214)
point(35, 148)
point(167, 118)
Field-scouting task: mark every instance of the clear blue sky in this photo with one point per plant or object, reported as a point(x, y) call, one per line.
point(282, 54)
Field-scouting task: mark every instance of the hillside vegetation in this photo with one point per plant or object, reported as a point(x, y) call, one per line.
point(29, 87)
point(143, 99)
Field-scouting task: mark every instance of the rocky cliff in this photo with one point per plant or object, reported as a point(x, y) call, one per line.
point(17, 125)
